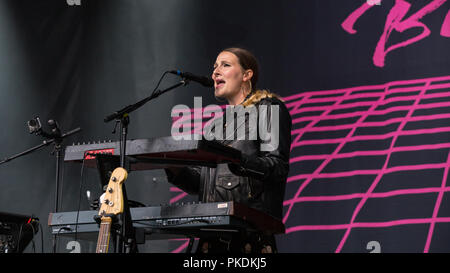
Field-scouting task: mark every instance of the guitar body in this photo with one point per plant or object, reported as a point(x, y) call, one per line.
point(112, 205)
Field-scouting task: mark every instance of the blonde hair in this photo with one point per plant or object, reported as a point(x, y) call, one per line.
point(258, 95)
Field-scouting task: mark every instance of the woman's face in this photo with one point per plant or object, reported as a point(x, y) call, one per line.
point(228, 76)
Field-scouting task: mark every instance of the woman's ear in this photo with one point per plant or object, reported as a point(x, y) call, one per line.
point(248, 74)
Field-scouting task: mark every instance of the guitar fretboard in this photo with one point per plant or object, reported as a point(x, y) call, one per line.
point(103, 236)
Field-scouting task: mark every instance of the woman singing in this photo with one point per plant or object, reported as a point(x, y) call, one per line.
point(259, 181)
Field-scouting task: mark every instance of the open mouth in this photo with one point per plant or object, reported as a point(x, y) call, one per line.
point(219, 83)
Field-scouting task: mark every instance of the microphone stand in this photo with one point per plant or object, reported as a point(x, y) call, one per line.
point(130, 108)
point(57, 140)
point(126, 238)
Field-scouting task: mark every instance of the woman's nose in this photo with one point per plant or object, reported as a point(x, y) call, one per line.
point(216, 72)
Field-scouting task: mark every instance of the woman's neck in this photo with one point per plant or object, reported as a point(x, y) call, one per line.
point(236, 100)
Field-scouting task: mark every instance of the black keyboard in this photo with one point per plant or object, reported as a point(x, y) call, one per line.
point(156, 153)
point(194, 219)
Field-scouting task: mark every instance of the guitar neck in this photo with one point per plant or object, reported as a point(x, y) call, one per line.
point(112, 205)
point(104, 235)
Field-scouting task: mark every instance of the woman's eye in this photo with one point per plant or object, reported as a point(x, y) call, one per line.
point(223, 65)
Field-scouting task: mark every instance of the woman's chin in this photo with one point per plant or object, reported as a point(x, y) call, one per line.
point(219, 94)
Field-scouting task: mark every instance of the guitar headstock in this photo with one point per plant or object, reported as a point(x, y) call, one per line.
point(113, 199)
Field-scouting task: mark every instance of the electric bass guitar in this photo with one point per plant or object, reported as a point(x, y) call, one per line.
point(112, 205)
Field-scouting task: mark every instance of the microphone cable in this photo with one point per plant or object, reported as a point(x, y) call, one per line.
point(79, 198)
point(159, 82)
point(78, 210)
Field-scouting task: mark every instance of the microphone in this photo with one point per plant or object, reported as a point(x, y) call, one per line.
point(205, 81)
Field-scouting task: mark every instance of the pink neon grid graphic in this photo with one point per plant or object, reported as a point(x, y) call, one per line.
point(371, 124)
point(358, 149)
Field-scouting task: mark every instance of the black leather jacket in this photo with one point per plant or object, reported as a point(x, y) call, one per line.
point(259, 182)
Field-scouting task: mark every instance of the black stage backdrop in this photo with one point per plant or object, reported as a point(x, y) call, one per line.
point(367, 84)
